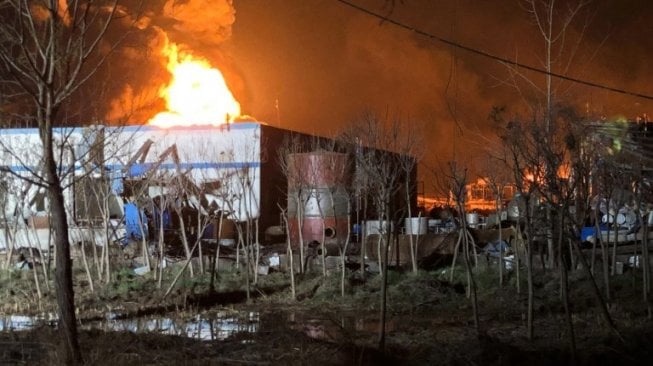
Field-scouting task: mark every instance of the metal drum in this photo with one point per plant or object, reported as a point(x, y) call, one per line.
point(416, 225)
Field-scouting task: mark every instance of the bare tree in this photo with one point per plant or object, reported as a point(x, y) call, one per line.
point(519, 152)
point(378, 146)
point(296, 196)
point(496, 178)
point(458, 177)
point(561, 44)
point(291, 259)
point(47, 53)
point(411, 151)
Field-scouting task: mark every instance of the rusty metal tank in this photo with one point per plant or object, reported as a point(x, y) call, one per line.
point(318, 199)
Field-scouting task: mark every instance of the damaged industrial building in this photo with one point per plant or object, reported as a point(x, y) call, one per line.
point(185, 191)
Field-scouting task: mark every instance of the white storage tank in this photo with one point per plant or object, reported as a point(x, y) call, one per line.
point(416, 225)
point(472, 219)
point(377, 227)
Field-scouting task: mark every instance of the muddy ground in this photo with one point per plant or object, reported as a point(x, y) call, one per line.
point(429, 321)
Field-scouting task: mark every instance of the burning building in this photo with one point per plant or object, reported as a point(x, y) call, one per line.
point(196, 144)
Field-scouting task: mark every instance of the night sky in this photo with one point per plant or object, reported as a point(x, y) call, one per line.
point(323, 63)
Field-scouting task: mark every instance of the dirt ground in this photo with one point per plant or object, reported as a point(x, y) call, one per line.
point(429, 322)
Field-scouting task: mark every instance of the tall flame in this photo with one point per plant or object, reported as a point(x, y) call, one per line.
point(197, 94)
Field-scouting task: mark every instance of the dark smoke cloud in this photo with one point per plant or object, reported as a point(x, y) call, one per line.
point(316, 65)
point(323, 63)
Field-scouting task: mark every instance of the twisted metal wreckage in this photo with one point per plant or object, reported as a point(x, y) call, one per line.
point(122, 184)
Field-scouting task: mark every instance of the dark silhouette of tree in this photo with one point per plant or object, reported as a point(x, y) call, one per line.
point(49, 51)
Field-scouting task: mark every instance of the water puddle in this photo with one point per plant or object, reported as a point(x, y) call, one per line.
point(22, 322)
point(218, 326)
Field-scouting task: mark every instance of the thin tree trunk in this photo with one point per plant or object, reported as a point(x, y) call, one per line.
point(86, 267)
point(564, 287)
point(216, 256)
point(96, 195)
point(102, 263)
point(467, 242)
point(384, 288)
point(300, 232)
point(411, 242)
point(529, 270)
point(199, 240)
point(35, 273)
point(241, 239)
point(184, 241)
point(419, 218)
point(643, 218)
point(107, 264)
point(63, 272)
point(247, 259)
point(258, 251)
point(44, 267)
point(107, 237)
point(379, 252)
point(518, 264)
point(343, 258)
point(606, 271)
point(646, 274)
point(291, 259)
point(549, 230)
point(604, 249)
point(572, 257)
point(472, 244)
point(322, 242)
point(471, 283)
point(455, 255)
point(181, 271)
point(593, 257)
point(161, 245)
point(363, 239)
point(613, 259)
point(9, 234)
point(498, 213)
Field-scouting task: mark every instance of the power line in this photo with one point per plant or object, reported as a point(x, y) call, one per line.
point(492, 56)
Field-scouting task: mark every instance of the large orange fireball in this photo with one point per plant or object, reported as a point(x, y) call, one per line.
point(197, 94)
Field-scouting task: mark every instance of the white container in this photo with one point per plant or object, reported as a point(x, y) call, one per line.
point(608, 219)
point(140, 271)
point(227, 242)
point(416, 225)
point(619, 268)
point(472, 219)
point(373, 227)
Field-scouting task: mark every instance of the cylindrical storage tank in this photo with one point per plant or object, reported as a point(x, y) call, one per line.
point(317, 198)
point(472, 219)
point(377, 227)
point(416, 225)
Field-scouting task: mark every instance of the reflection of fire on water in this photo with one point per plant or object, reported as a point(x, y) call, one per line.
point(196, 95)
